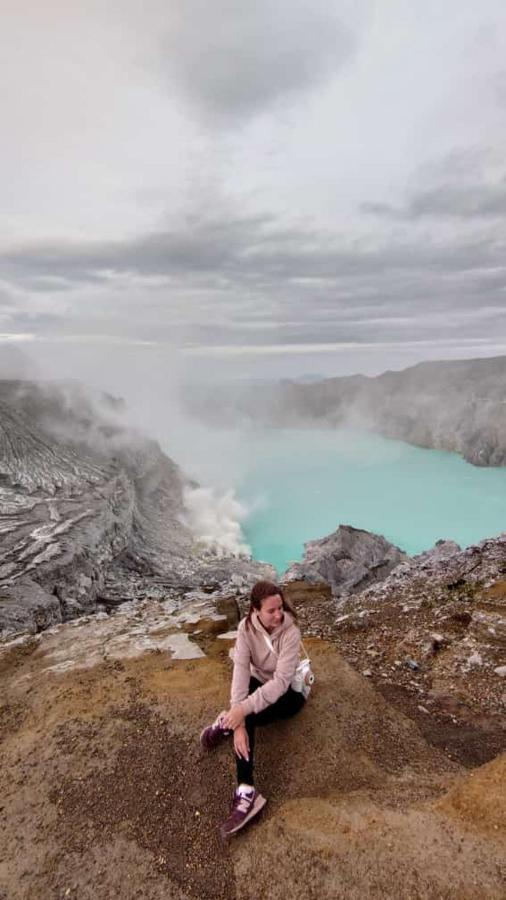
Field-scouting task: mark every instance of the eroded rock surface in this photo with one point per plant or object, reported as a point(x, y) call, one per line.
point(349, 560)
point(90, 509)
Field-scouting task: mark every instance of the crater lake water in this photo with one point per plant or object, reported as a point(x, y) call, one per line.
point(300, 484)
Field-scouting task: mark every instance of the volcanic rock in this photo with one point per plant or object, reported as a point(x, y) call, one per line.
point(349, 560)
point(444, 612)
point(91, 510)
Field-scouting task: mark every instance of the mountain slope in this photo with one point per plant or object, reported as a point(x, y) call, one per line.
point(86, 504)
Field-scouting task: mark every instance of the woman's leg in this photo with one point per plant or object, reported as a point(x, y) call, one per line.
point(248, 802)
point(245, 766)
point(289, 704)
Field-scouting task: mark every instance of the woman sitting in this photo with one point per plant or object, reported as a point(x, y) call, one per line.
point(266, 656)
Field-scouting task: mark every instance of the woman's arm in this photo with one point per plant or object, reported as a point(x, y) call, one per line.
point(242, 669)
point(234, 717)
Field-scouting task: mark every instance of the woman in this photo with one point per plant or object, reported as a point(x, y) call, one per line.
point(266, 656)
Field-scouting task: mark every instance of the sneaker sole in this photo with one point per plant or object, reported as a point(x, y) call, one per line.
point(258, 805)
point(202, 733)
point(216, 744)
point(201, 740)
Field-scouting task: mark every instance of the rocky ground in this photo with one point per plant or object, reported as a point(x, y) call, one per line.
point(431, 636)
point(106, 793)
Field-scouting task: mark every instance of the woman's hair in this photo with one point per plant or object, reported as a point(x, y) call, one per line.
point(260, 591)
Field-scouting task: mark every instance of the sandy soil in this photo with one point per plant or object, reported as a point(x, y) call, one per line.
point(105, 792)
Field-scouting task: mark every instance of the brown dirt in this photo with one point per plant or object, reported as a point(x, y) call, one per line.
point(478, 799)
point(458, 710)
point(470, 740)
point(106, 794)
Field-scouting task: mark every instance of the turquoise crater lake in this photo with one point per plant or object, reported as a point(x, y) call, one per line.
point(300, 484)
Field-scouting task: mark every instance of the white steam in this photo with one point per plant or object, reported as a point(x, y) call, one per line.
point(148, 379)
point(215, 520)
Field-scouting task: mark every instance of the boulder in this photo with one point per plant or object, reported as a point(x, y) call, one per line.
point(227, 606)
point(304, 592)
point(349, 560)
point(25, 606)
point(441, 550)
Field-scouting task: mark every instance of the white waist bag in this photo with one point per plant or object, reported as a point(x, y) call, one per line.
point(303, 679)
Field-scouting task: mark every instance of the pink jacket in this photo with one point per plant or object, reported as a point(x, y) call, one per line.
point(252, 656)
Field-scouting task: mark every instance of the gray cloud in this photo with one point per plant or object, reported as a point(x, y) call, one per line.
point(192, 174)
point(232, 60)
point(226, 280)
point(465, 184)
point(216, 253)
point(459, 202)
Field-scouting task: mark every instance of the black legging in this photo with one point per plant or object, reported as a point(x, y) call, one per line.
point(286, 706)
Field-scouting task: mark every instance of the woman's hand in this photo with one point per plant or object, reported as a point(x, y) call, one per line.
point(234, 717)
point(241, 742)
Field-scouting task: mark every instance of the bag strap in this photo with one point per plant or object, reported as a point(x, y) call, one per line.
point(271, 647)
point(268, 642)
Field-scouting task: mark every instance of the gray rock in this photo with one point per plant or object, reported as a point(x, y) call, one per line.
point(445, 614)
point(306, 592)
point(25, 606)
point(349, 560)
point(92, 512)
point(440, 550)
point(227, 606)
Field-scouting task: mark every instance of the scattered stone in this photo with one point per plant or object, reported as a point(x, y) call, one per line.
point(412, 664)
point(475, 660)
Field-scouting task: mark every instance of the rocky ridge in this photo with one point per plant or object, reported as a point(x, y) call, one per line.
point(434, 629)
point(91, 512)
point(455, 405)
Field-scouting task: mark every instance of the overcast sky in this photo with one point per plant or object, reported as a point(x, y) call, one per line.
point(257, 188)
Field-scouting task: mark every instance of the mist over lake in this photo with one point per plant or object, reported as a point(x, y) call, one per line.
point(300, 484)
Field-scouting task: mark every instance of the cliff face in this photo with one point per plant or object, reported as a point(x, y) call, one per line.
point(88, 509)
point(456, 405)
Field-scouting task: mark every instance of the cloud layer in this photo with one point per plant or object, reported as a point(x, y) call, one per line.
point(281, 179)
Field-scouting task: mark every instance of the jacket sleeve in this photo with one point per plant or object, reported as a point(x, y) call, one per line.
point(272, 690)
point(242, 669)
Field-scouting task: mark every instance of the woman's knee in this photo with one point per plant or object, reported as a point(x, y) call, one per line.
point(293, 703)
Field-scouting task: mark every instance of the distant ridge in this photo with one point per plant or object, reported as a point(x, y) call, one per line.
point(456, 405)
